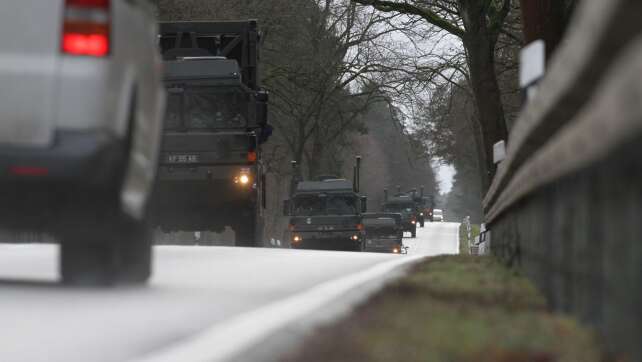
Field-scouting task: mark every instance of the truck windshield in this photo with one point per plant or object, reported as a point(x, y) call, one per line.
point(381, 232)
point(380, 228)
point(399, 208)
point(205, 108)
point(311, 205)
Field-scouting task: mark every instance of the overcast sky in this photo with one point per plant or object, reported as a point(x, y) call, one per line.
point(445, 174)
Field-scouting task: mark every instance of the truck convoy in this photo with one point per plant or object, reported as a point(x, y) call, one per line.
point(403, 204)
point(424, 204)
point(210, 173)
point(326, 213)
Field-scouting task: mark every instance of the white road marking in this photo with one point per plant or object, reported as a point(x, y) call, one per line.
point(228, 339)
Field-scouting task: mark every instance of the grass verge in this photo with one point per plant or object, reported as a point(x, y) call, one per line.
point(453, 308)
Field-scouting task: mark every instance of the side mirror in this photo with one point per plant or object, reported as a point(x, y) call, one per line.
point(364, 204)
point(286, 207)
point(262, 98)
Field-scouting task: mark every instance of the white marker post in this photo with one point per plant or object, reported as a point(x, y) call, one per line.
point(533, 67)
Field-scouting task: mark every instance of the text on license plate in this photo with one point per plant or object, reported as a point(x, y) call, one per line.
point(182, 158)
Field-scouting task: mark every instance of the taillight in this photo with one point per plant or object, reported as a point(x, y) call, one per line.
point(86, 29)
point(251, 156)
point(28, 171)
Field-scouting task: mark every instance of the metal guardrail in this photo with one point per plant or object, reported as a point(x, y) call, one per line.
point(600, 31)
point(566, 202)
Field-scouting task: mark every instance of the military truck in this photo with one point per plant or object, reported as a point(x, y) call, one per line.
point(210, 174)
point(384, 232)
point(326, 213)
point(428, 207)
point(403, 204)
point(424, 204)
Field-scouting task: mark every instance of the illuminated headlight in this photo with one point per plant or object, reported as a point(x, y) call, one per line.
point(413, 222)
point(297, 238)
point(421, 214)
point(242, 179)
point(354, 237)
point(395, 250)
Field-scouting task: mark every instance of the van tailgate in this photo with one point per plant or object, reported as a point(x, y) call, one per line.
point(29, 53)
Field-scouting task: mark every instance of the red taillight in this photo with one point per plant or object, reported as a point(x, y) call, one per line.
point(80, 44)
point(86, 29)
point(28, 171)
point(251, 156)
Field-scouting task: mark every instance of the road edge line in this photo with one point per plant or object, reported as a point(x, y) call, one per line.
point(230, 338)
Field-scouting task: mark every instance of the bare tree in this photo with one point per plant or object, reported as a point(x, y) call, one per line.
point(478, 24)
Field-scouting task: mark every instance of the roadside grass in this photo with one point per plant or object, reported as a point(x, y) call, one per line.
point(463, 239)
point(453, 308)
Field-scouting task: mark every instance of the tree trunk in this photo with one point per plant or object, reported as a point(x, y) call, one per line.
point(480, 40)
point(481, 61)
point(484, 176)
point(314, 159)
point(545, 19)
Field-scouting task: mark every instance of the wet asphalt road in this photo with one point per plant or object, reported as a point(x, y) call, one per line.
point(193, 289)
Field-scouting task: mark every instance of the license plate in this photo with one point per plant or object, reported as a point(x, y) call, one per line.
point(182, 158)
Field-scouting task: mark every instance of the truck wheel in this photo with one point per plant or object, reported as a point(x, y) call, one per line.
point(245, 235)
point(250, 232)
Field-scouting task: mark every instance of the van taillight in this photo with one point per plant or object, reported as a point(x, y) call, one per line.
point(86, 29)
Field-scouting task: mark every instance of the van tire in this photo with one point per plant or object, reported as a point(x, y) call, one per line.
point(116, 251)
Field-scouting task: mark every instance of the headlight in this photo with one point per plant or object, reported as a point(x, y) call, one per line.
point(421, 214)
point(395, 250)
point(354, 237)
point(413, 222)
point(297, 238)
point(243, 179)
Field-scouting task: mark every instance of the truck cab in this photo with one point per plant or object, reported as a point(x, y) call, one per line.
point(326, 214)
point(403, 204)
point(210, 174)
point(384, 232)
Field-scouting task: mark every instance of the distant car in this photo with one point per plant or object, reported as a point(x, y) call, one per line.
point(438, 215)
point(81, 109)
point(383, 232)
